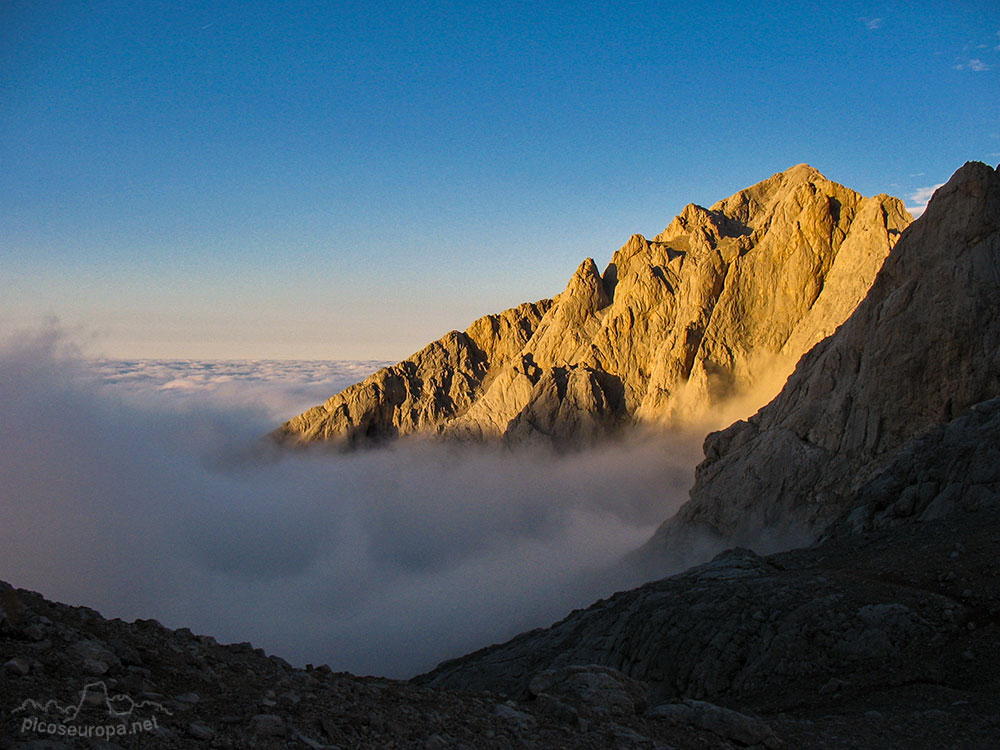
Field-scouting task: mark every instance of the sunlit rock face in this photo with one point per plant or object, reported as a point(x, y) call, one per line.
point(891, 418)
point(702, 323)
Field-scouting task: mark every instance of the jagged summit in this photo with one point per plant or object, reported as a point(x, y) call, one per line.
point(718, 306)
point(862, 415)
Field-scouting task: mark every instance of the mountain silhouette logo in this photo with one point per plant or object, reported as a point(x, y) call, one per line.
point(119, 706)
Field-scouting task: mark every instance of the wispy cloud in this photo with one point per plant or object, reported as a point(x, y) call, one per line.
point(920, 197)
point(974, 64)
point(976, 55)
point(872, 23)
point(281, 388)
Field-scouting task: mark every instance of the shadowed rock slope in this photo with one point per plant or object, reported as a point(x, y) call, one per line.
point(718, 306)
point(862, 406)
point(142, 685)
point(882, 639)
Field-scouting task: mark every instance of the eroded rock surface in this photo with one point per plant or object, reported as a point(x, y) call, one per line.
point(188, 691)
point(423, 392)
point(870, 406)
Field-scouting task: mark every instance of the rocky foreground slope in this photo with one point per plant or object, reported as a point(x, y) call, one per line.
point(720, 305)
point(111, 684)
point(883, 639)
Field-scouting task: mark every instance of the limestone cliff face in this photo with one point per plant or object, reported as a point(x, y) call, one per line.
point(919, 352)
point(421, 393)
point(718, 306)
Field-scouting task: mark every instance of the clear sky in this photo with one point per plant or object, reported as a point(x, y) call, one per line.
point(352, 180)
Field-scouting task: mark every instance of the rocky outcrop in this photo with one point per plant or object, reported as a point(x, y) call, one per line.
point(745, 730)
point(919, 351)
point(955, 467)
point(591, 689)
point(421, 393)
point(715, 309)
point(895, 621)
point(732, 627)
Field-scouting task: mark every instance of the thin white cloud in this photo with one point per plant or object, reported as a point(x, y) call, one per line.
point(872, 23)
point(965, 60)
point(281, 388)
point(920, 197)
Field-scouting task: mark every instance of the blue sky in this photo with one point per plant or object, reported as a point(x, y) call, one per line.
point(339, 180)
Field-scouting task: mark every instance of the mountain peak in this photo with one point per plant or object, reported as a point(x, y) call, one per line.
point(674, 328)
point(802, 172)
point(971, 189)
point(921, 350)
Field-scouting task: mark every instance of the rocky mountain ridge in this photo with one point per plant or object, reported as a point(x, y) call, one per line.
point(918, 353)
point(718, 306)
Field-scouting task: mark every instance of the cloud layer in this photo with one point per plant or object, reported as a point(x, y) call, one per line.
point(280, 387)
point(145, 490)
point(920, 198)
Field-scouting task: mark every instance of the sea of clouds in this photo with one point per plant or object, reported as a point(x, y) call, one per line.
point(148, 489)
point(281, 388)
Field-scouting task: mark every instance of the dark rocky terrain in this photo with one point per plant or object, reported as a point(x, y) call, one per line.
point(208, 695)
point(882, 639)
point(885, 639)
